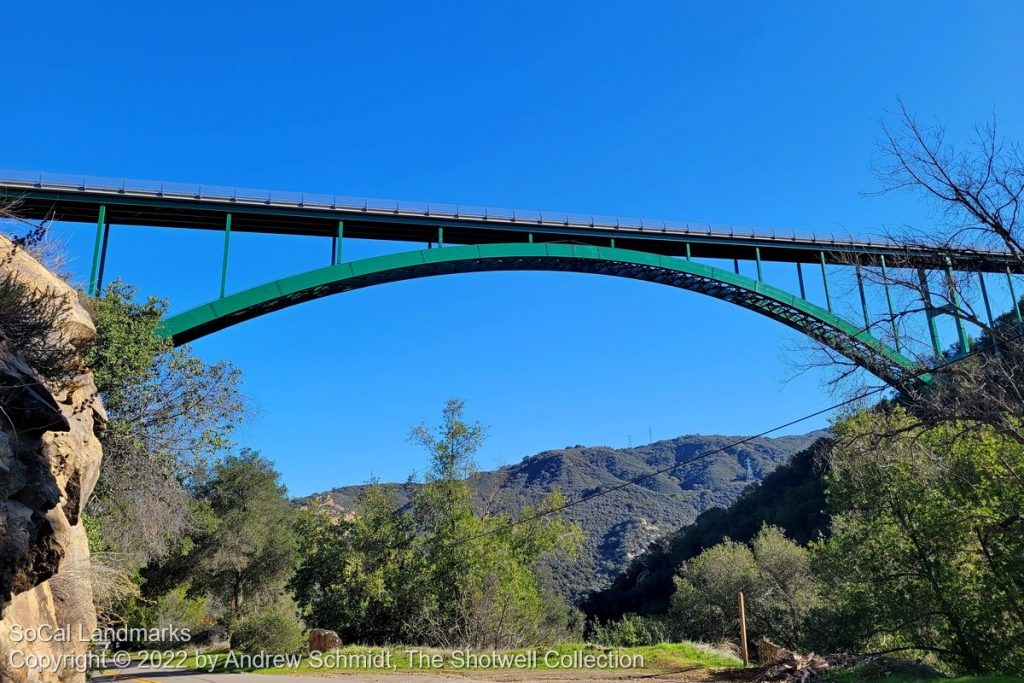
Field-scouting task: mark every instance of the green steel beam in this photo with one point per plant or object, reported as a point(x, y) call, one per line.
point(800, 277)
point(440, 237)
point(224, 263)
point(824, 281)
point(929, 312)
point(954, 300)
point(892, 311)
point(1013, 295)
point(98, 249)
point(689, 256)
point(984, 297)
point(264, 216)
point(863, 299)
point(336, 245)
point(757, 257)
point(103, 260)
point(765, 299)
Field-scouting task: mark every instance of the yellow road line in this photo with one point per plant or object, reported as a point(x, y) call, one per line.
point(115, 676)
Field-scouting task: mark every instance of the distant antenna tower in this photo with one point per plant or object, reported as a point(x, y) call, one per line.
point(750, 471)
point(650, 435)
point(630, 440)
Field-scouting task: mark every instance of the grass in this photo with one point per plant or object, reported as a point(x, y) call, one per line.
point(650, 659)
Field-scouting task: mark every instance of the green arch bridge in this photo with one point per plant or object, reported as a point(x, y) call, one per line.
point(472, 239)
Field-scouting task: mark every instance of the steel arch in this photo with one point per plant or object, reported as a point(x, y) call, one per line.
point(839, 334)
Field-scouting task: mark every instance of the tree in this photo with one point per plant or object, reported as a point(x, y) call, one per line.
point(775, 576)
point(170, 414)
point(248, 551)
point(927, 544)
point(434, 572)
point(975, 191)
point(360, 575)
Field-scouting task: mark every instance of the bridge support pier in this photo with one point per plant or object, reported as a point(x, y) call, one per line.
point(888, 301)
point(224, 263)
point(929, 312)
point(984, 297)
point(1013, 295)
point(103, 260)
point(824, 281)
point(336, 244)
point(99, 251)
point(954, 300)
point(863, 299)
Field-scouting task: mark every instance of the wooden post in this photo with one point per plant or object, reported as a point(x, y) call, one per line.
point(743, 631)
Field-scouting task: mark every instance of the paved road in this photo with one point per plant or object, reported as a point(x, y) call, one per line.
point(149, 675)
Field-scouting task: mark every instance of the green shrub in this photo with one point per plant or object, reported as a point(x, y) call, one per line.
point(275, 631)
point(632, 630)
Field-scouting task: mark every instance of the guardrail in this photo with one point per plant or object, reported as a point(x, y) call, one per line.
point(274, 198)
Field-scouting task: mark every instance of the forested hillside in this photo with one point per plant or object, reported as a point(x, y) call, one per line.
point(620, 525)
point(792, 498)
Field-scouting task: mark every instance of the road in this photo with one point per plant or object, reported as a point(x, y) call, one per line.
point(150, 675)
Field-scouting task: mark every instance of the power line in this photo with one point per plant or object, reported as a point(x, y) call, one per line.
point(665, 470)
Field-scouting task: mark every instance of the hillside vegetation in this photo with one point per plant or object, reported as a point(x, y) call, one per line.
point(791, 498)
point(619, 526)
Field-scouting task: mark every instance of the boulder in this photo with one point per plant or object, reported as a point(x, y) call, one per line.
point(323, 640)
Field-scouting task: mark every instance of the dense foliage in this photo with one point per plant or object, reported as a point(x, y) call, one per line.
point(792, 498)
point(434, 572)
point(170, 415)
point(927, 549)
point(774, 575)
point(618, 526)
point(29, 321)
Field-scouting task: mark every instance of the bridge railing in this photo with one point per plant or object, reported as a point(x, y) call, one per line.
point(220, 193)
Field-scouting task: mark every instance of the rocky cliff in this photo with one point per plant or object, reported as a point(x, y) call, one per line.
point(49, 462)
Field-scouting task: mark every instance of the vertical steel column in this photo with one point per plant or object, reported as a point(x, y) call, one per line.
point(800, 277)
point(954, 300)
point(863, 299)
point(336, 244)
point(757, 257)
point(612, 241)
point(688, 255)
point(888, 301)
point(103, 259)
point(224, 263)
point(824, 280)
point(1013, 295)
point(736, 265)
point(101, 247)
point(984, 297)
point(929, 312)
point(440, 237)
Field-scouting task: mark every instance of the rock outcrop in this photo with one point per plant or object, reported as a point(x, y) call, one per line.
point(49, 463)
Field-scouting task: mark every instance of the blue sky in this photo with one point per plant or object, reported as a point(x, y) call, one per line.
point(759, 114)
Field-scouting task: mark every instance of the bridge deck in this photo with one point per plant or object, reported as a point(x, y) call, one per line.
point(177, 205)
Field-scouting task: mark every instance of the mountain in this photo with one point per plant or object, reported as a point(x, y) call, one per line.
point(792, 497)
point(620, 525)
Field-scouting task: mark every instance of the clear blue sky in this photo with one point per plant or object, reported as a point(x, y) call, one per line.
point(747, 113)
